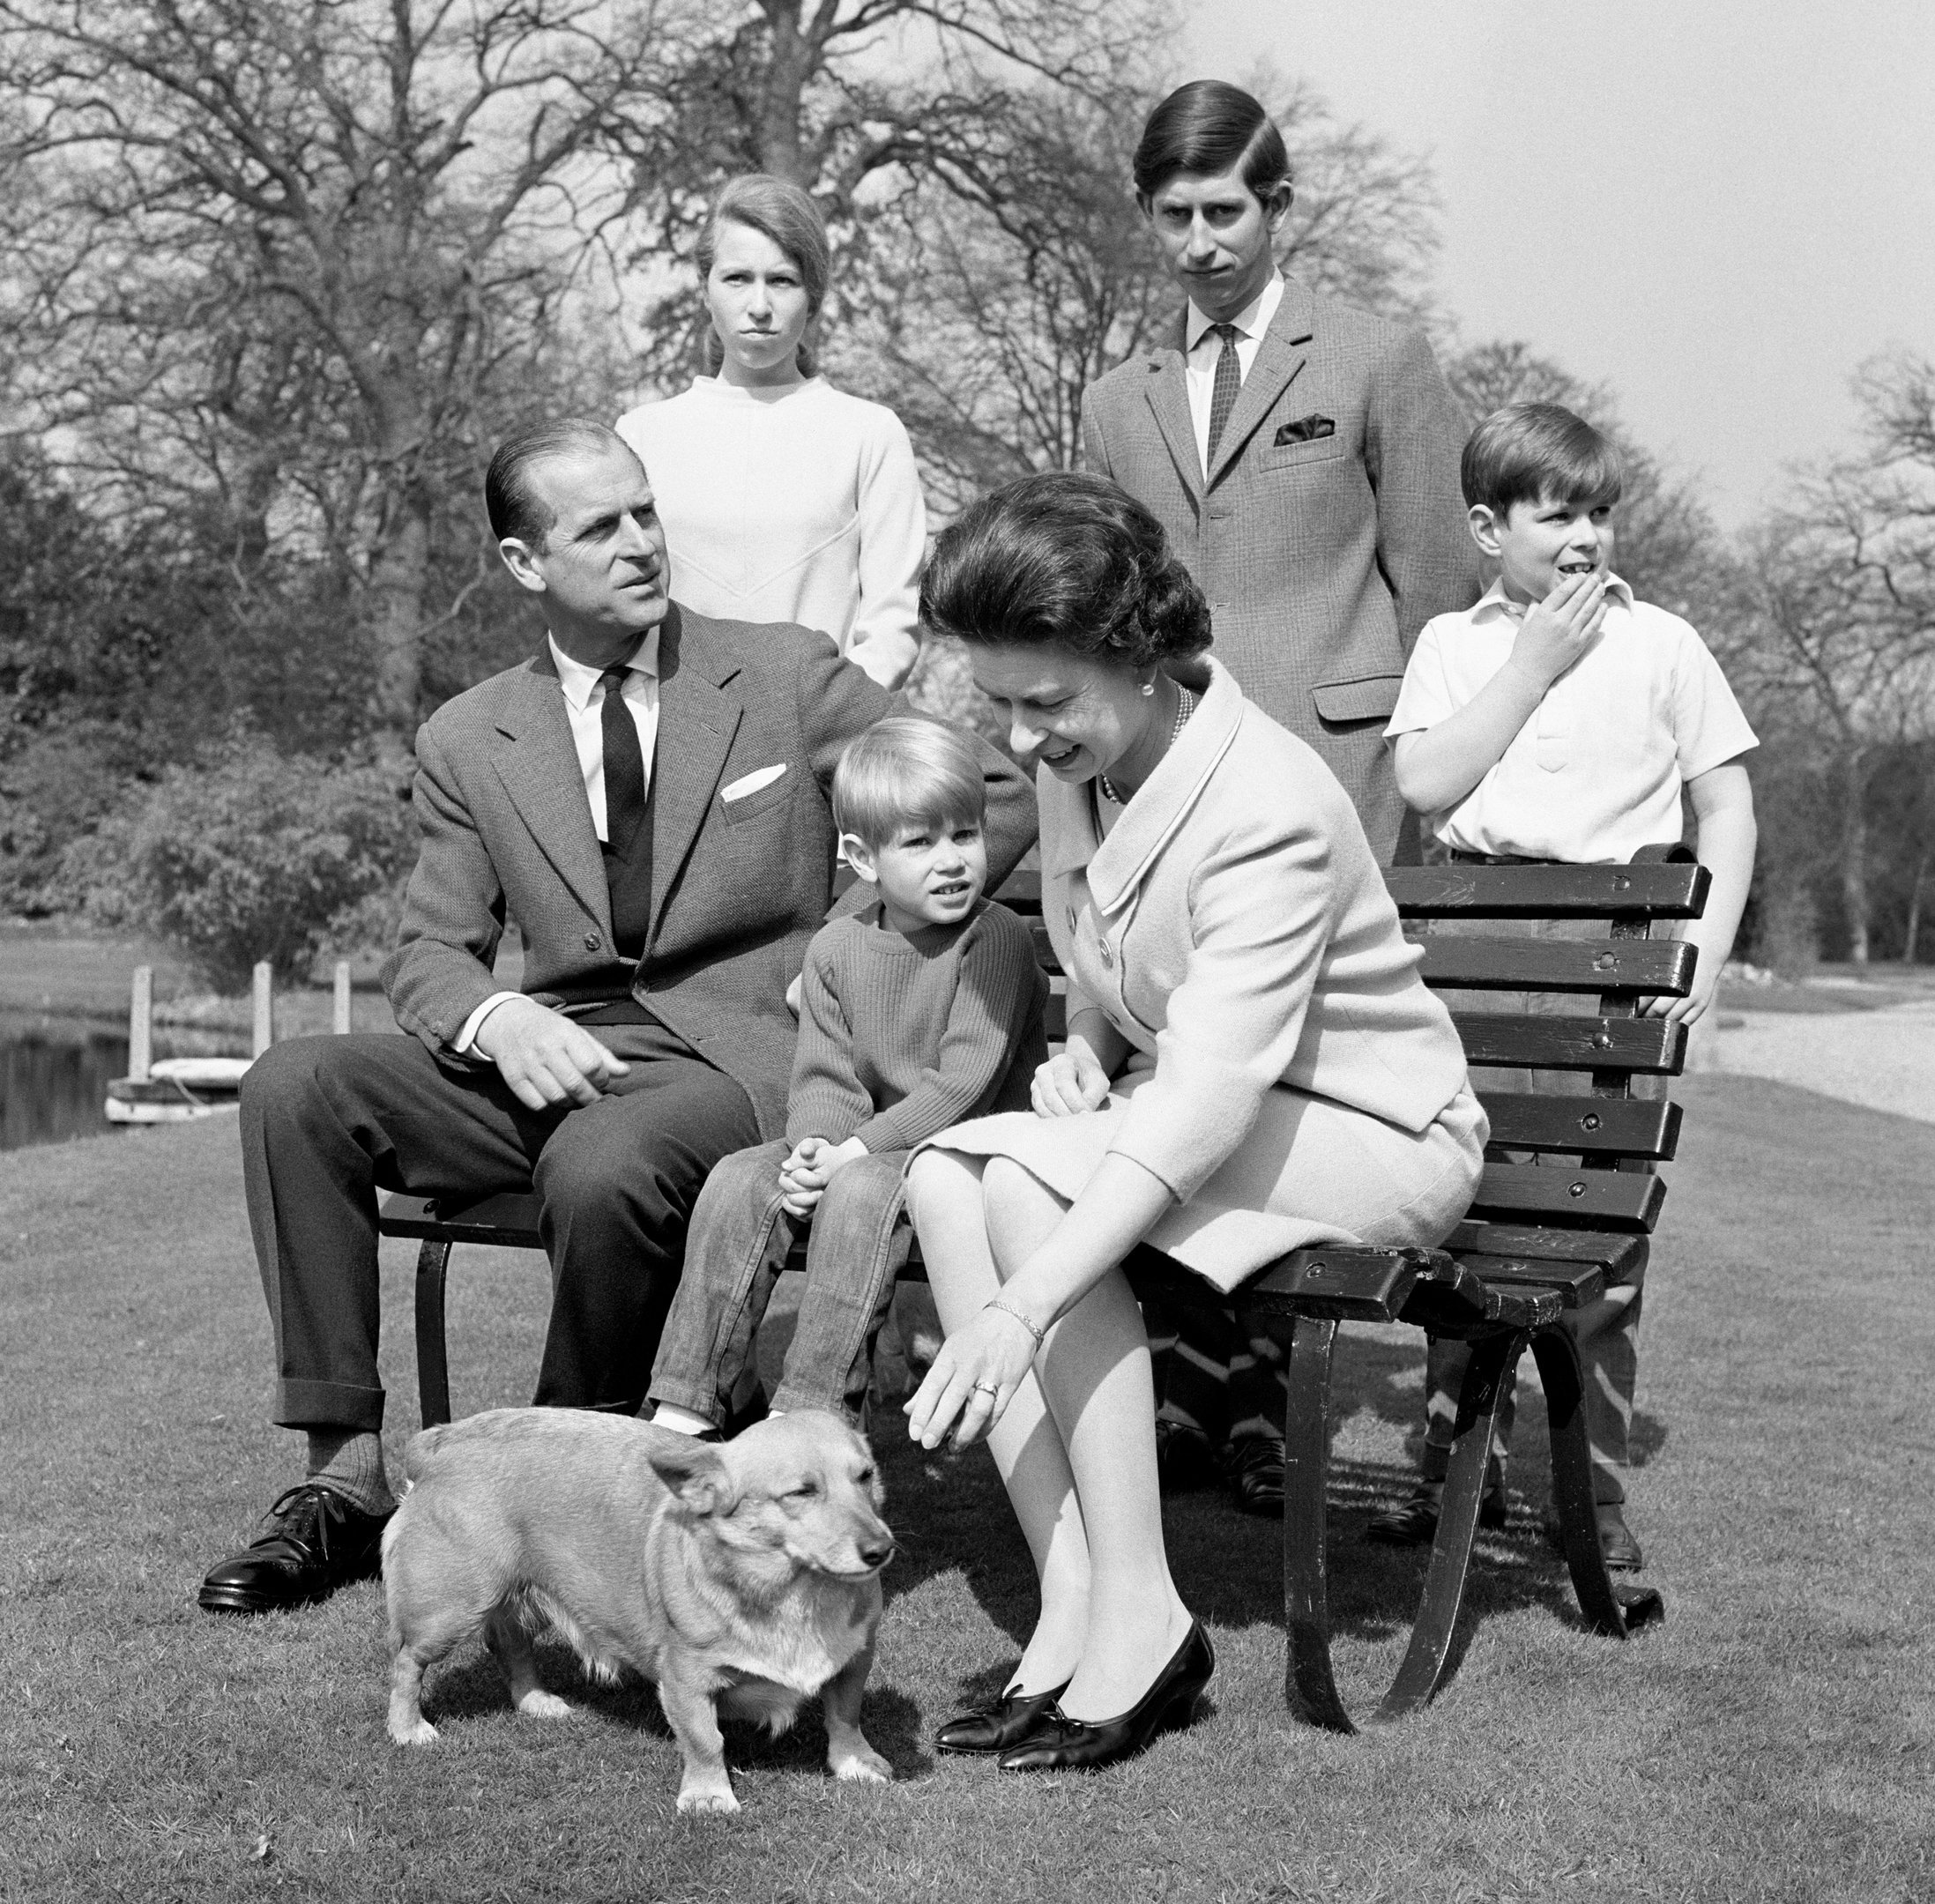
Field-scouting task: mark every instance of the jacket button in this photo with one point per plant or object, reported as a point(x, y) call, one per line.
point(592, 942)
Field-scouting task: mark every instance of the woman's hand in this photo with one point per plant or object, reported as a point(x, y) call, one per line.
point(972, 1380)
point(1071, 1081)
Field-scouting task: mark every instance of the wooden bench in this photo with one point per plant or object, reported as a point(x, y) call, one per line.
point(1538, 1241)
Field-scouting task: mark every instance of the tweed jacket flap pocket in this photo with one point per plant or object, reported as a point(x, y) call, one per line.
point(1323, 448)
point(1373, 698)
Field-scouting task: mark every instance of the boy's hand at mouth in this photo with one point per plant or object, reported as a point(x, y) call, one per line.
point(1561, 627)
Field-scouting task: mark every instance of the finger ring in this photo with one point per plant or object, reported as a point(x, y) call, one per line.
point(986, 1387)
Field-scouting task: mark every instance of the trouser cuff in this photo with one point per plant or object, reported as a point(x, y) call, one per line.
point(701, 1398)
point(322, 1404)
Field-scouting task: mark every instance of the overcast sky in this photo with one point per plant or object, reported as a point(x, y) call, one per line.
point(1720, 207)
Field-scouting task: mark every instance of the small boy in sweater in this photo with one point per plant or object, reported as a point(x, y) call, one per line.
point(917, 1013)
point(1557, 721)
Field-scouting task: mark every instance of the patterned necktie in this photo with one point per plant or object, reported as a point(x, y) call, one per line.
point(1229, 380)
point(624, 763)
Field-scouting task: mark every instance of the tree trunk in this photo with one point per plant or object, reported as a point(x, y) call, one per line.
point(399, 580)
point(1854, 850)
point(1915, 910)
point(783, 98)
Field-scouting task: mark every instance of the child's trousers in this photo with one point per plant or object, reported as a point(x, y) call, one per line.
point(737, 1245)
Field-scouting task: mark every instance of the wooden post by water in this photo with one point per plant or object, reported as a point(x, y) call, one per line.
point(141, 1023)
point(342, 1024)
point(265, 1030)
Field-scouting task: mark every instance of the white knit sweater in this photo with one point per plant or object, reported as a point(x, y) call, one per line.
point(799, 505)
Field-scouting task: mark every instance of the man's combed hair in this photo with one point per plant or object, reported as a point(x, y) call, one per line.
point(904, 771)
point(1206, 128)
point(516, 510)
point(1064, 560)
point(1537, 452)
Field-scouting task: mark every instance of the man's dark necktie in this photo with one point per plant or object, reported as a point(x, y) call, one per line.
point(1229, 381)
point(624, 764)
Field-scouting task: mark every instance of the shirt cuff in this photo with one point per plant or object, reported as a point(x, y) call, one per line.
point(466, 1038)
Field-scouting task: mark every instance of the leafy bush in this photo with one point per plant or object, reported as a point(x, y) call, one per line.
point(253, 855)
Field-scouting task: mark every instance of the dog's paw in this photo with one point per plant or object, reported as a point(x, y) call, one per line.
point(861, 1762)
point(539, 1704)
point(707, 1799)
point(417, 1731)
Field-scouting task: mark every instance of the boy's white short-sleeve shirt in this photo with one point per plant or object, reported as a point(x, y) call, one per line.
point(1595, 773)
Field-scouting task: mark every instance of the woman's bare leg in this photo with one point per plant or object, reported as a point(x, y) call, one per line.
point(944, 1196)
point(1095, 1375)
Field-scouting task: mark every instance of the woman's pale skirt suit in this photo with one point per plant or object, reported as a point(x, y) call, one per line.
point(1289, 1077)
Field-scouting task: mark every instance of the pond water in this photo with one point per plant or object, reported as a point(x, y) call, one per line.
point(55, 1072)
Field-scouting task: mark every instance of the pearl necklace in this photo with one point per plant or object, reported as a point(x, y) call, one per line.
point(1186, 706)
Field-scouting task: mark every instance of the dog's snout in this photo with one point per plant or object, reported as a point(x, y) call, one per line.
point(877, 1549)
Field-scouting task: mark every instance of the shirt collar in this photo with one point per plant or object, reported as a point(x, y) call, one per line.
point(1495, 602)
point(1253, 320)
point(578, 680)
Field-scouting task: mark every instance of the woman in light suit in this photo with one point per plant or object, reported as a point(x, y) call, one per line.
point(1253, 1064)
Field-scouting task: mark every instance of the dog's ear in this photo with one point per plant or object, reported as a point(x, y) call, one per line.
point(692, 1470)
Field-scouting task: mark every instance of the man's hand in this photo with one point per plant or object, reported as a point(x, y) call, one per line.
point(1561, 627)
point(1070, 1082)
point(546, 1059)
point(804, 1175)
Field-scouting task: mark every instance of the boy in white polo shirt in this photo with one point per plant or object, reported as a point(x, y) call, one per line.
point(1558, 720)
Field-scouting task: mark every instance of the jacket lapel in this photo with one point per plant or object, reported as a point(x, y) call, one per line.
point(1168, 392)
point(1279, 357)
point(1151, 820)
point(696, 722)
point(537, 761)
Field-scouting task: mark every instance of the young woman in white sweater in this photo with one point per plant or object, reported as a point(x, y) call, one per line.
point(784, 499)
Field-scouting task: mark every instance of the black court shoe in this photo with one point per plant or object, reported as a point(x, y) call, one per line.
point(319, 1541)
point(992, 1728)
point(1060, 1743)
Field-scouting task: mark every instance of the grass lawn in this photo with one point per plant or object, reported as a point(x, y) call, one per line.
point(1775, 1740)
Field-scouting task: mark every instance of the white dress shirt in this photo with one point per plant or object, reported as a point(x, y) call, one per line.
point(584, 708)
point(1201, 350)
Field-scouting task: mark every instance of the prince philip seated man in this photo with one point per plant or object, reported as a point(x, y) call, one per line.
point(648, 798)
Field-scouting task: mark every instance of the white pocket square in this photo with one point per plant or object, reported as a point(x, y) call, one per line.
point(760, 776)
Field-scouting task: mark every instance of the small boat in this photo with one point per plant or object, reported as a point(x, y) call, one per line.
point(176, 1089)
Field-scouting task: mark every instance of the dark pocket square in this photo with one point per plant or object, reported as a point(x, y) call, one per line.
point(1305, 430)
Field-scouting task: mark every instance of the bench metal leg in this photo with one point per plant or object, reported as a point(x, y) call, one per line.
point(1492, 1360)
point(1310, 1685)
point(433, 1360)
point(1610, 1609)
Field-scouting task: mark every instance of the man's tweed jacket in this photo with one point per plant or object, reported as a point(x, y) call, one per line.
point(738, 889)
point(1330, 530)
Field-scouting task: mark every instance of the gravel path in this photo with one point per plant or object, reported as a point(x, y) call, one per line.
point(1882, 1059)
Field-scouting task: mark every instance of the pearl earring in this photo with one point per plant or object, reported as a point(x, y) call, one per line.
point(1149, 686)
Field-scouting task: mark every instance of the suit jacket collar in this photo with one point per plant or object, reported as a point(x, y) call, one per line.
point(1118, 864)
point(697, 718)
point(1168, 393)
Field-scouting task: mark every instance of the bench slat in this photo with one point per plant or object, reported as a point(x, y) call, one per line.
point(1655, 1045)
point(1608, 1200)
point(1661, 966)
point(1591, 1127)
point(1549, 892)
point(1574, 1284)
point(509, 1219)
point(1520, 1242)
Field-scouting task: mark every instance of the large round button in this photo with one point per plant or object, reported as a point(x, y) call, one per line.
point(592, 942)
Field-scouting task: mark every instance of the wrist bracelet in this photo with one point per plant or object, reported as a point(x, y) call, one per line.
point(1040, 1335)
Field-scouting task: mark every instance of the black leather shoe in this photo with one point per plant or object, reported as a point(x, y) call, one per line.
point(1415, 1524)
point(1616, 1541)
point(993, 1728)
point(319, 1543)
point(1255, 1467)
point(1059, 1743)
point(1184, 1459)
